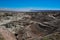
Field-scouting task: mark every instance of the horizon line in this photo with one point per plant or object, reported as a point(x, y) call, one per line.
point(27, 9)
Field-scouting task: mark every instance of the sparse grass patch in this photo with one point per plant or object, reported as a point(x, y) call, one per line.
point(1, 38)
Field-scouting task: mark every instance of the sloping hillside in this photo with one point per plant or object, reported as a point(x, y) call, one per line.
point(29, 25)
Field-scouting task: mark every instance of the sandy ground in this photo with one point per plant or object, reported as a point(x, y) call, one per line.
point(6, 34)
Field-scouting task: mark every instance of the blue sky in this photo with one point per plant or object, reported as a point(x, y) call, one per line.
point(30, 4)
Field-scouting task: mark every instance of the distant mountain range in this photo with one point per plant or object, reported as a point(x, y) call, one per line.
point(45, 10)
point(29, 10)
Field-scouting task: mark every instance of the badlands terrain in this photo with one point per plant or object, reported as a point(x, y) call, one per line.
point(43, 25)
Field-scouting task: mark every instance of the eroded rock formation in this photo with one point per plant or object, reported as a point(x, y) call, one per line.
point(29, 25)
